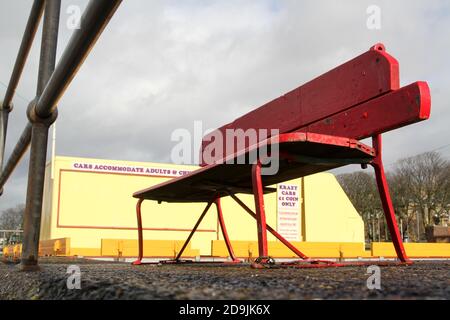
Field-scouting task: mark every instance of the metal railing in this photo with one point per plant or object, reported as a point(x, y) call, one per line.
point(42, 111)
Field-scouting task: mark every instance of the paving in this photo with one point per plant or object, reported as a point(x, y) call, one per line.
point(114, 280)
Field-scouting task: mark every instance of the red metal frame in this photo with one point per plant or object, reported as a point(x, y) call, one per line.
point(262, 263)
point(308, 262)
point(224, 231)
point(407, 105)
point(383, 189)
point(179, 189)
point(193, 231)
point(386, 201)
point(191, 234)
point(372, 74)
point(332, 264)
point(329, 105)
point(262, 226)
point(178, 260)
point(260, 211)
point(140, 235)
point(270, 229)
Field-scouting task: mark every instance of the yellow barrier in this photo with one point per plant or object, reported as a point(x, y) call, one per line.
point(413, 250)
point(244, 249)
point(86, 252)
point(152, 248)
point(8, 252)
point(17, 252)
point(12, 252)
point(55, 247)
point(109, 248)
point(248, 249)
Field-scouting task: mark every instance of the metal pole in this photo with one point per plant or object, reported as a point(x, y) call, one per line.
point(4, 113)
point(140, 233)
point(401, 228)
point(269, 228)
point(205, 211)
point(94, 20)
point(52, 175)
point(19, 150)
point(224, 231)
point(25, 46)
point(258, 195)
point(386, 200)
point(418, 226)
point(39, 139)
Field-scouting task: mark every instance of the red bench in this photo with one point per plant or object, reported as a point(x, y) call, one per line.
point(317, 128)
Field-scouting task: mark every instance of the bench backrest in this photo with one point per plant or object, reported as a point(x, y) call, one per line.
point(357, 99)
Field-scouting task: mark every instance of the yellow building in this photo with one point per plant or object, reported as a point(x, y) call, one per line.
point(88, 205)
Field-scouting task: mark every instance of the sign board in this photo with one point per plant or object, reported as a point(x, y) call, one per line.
point(127, 169)
point(288, 206)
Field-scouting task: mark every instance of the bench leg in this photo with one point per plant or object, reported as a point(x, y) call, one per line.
point(140, 235)
point(224, 231)
point(386, 201)
point(270, 229)
point(193, 231)
point(260, 212)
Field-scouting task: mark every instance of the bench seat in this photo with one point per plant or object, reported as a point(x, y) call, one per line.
point(301, 154)
point(318, 125)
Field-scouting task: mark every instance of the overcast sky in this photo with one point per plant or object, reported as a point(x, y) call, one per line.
point(161, 65)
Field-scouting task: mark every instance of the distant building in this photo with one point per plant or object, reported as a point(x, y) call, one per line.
point(89, 201)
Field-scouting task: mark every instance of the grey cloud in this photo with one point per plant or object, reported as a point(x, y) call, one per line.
point(161, 65)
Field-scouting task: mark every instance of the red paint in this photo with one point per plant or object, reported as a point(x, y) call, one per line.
point(356, 100)
point(140, 235)
point(270, 229)
point(193, 231)
point(370, 75)
point(181, 188)
point(399, 108)
point(260, 211)
point(386, 201)
point(224, 231)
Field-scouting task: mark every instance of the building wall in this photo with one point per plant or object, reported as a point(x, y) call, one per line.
point(87, 205)
point(329, 214)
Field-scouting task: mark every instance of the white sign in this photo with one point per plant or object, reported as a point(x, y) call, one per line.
point(288, 222)
point(125, 169)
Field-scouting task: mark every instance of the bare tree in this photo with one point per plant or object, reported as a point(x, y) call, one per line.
point(401, 199)
point(424, 182)
point(443, 198)
point(12, 218)
point(420, 191)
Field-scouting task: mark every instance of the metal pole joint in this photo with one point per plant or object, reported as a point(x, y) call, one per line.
point(34, 118)
point(6, 108)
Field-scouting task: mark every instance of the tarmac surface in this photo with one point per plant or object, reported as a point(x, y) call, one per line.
point(100, 280)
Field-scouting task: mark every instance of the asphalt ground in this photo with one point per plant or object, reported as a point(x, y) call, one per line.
point(108, 280)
